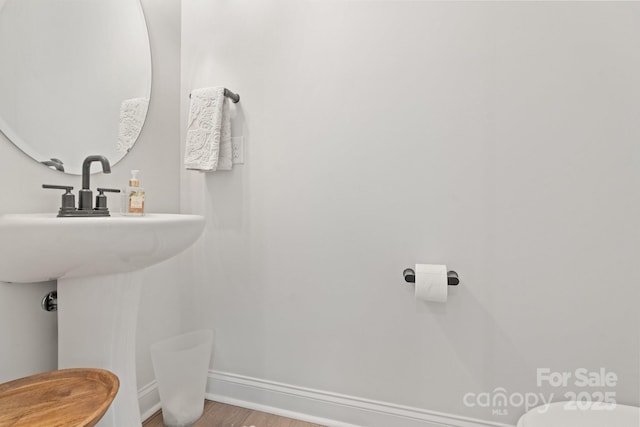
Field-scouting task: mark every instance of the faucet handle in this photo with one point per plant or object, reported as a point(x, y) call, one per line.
point(68, 199)
point(101, 199)
point(58, 187)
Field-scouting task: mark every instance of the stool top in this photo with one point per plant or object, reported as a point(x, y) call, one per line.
point(67, 397)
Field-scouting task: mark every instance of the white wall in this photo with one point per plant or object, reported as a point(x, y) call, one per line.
point(27, 334)
point(499, 138)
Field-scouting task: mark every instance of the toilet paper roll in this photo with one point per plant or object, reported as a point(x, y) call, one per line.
point(431, 282)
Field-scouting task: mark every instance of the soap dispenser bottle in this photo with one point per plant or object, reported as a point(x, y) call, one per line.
point(135, 202)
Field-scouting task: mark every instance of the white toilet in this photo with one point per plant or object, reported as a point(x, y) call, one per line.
point(568, 414)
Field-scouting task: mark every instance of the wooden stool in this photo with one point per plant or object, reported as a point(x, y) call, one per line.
point(68, 397)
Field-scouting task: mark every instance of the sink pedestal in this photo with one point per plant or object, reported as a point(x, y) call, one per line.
point(97, 319)
point(97, 262)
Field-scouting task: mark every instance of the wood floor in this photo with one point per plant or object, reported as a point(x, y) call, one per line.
point(221, 415)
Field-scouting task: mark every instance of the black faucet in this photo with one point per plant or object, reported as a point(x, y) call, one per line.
point(86, 195)
point(85, 204)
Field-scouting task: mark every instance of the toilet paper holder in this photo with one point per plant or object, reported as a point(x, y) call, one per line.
point(410, 277)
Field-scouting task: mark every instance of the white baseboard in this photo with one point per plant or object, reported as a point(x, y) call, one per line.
point(315, 406)
point(149, 400)
point(326, 408)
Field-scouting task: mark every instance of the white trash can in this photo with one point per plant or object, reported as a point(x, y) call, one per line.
point(181, 365)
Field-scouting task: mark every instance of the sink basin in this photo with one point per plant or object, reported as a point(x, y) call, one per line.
point(41, 247)
point(97, 263)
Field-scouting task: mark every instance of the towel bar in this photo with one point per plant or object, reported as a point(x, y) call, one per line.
point(234, 96)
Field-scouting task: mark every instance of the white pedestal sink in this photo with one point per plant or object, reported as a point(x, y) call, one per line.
point(97, 263)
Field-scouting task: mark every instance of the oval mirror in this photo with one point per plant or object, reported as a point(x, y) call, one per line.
point(75, 78)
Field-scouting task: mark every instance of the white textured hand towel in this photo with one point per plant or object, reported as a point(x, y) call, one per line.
point(209, 131)
point(132, 114)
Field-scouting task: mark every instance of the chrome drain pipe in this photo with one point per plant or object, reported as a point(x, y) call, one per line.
point(50, 301)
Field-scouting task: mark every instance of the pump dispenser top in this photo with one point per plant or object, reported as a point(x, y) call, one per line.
point(134, 182)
